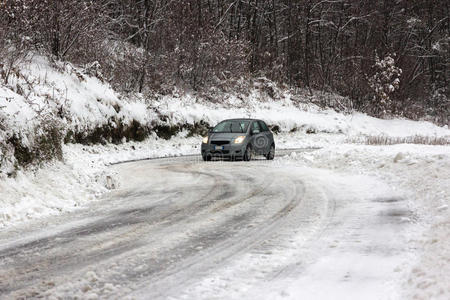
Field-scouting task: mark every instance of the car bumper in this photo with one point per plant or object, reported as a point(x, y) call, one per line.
point(229, 150)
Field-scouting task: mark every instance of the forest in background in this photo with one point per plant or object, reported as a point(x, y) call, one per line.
point(388, 57)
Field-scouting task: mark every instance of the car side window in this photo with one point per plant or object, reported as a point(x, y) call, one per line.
point(255, 126)
point(263, 126)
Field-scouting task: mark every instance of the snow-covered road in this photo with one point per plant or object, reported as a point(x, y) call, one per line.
point(181, 228)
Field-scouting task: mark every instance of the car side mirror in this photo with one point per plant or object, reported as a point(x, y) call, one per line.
point(210, 129)
point(256, 131)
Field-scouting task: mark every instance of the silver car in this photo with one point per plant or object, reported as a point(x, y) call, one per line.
point(239, 139)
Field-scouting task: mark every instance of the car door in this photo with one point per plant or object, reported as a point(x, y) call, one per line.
point(269, 136)
point(259, 139)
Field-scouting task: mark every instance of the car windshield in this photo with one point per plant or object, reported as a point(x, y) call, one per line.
point(232, 126)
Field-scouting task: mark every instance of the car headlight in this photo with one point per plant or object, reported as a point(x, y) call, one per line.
point(239, 139)
point(205, 140)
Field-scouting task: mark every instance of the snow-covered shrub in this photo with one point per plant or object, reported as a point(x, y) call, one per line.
point(384, 82)
point(94, 69)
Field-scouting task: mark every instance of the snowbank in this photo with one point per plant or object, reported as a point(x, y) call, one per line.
point(60, 187)
point(422, 174)
point(82, 102)
point(288, 115)
point(50, 100)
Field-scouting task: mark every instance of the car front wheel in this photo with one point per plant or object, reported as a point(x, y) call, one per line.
point(248, 153)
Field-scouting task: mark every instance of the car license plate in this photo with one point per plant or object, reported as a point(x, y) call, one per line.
point(218, 148)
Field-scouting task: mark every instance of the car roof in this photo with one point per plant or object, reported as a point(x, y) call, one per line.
point(241, 119)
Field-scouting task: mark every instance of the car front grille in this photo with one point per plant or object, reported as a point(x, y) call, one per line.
point(219, 143)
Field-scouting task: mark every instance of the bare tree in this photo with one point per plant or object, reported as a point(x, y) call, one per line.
point(145, 45)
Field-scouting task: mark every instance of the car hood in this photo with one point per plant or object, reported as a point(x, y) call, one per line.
point(225, 136)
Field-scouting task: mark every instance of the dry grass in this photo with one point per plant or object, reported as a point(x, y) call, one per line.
point(386, 140)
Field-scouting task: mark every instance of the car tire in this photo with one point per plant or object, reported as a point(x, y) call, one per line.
point(206, 157)
point(271, 154)
point(248, 153)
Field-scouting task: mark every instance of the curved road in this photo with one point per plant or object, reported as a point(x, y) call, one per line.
point(185, 229)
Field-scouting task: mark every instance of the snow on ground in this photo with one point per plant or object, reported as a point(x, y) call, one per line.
point(343, 255)
point(83, 177)
point(422, 174)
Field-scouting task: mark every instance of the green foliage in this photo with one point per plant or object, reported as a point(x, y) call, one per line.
point(44, 146)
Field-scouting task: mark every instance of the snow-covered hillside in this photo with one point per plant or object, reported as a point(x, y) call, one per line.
point(45, 102)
